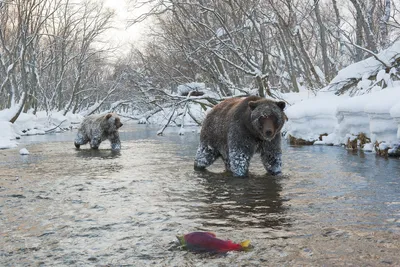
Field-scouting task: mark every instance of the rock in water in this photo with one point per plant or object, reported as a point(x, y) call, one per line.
point(24, 151)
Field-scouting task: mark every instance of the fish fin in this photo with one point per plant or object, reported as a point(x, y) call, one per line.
point(245, 244)
point(211, 233)
point(181, 240)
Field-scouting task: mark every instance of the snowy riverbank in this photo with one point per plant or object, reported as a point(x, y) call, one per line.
point(324, 119)
point(343, 118)
point(33, 124)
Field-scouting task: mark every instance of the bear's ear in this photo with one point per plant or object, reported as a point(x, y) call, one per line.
point(253, 104)
point(281, 105)
point(109, 115)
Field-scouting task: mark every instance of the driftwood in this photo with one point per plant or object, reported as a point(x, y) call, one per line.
point(57, 126)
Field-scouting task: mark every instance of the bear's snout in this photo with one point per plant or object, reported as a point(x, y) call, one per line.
point(268, 133)
point(118, 123)
point(267, 127)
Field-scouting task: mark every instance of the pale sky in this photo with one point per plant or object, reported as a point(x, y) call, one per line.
point(123, 36)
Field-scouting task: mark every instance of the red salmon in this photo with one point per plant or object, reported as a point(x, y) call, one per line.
point(207, 242)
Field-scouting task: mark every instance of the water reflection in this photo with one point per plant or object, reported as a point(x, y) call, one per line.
point(98, 153)
point(220, 200)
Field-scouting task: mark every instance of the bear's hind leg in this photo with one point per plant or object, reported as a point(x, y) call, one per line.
point(80, 139)
point(205, 156)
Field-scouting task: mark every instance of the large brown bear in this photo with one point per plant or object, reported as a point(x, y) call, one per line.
point(237, 128)
point(96, 128)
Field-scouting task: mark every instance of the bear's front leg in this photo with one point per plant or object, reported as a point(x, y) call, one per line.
point(239, 161)
point(205, 156)
point(115, 141)
point(272, 163)
point(271, 156)
point(80, 139)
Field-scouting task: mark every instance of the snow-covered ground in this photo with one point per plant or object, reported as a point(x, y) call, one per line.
point(376, 114)
point(30, 124)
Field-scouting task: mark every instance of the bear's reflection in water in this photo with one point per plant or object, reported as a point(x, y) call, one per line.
point(98, 153)
point(240, 202)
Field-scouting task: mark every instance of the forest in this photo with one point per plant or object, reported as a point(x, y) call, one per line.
point(53, 56)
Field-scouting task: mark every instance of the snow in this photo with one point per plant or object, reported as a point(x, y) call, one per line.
point(383, 101)
point(395, 113)
point(292, 98)
point(330, 139)
point(193, 86)
point(220, 32)
point(33, 124)
point(383, 146)
point(366, 68)
point(376, 114)
point(369, 147)
point(7, 135)
point(321, 105)
point(395, 110)
point(310, 118)
point(23, 151)
point(162, 117)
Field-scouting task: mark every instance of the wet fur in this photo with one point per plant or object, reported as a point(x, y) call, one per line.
point(237, 128)
point(95, 129)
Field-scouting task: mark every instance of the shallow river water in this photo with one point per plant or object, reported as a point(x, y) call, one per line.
point(65, 207)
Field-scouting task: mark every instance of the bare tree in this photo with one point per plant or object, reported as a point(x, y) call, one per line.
point(20, 35)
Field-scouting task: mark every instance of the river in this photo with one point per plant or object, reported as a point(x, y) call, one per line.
point(65, 207)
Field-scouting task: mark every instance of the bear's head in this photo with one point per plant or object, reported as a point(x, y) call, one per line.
point(114, 122)
point(267, 117)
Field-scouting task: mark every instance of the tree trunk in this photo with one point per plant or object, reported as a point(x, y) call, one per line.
point(362, 24)
point(384, 42)
point(261, 86)
point(310, 66)
point(324, 46)
point(20, 108)
point(225, 91)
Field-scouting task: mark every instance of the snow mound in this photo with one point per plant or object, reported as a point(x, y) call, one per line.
point(24, 151)
point(376, 114)
point(395, 113)
point(7, 135)
point(312, 117)
point(382, 125)
point(351, 118)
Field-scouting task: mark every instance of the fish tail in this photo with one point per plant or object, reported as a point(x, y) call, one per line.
point(245, 244)
point(181, 240)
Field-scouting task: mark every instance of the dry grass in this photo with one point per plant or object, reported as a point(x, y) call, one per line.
point(299, 142)
point(358, 142)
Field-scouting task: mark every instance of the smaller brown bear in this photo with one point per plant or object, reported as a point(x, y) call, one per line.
point(97, 128)
point(237, 128)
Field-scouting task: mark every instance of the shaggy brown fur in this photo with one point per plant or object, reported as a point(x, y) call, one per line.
point(96, 128)
point(237, 128)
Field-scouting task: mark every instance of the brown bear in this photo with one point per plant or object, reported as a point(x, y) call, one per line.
point(237, 128)
point(97, 128)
